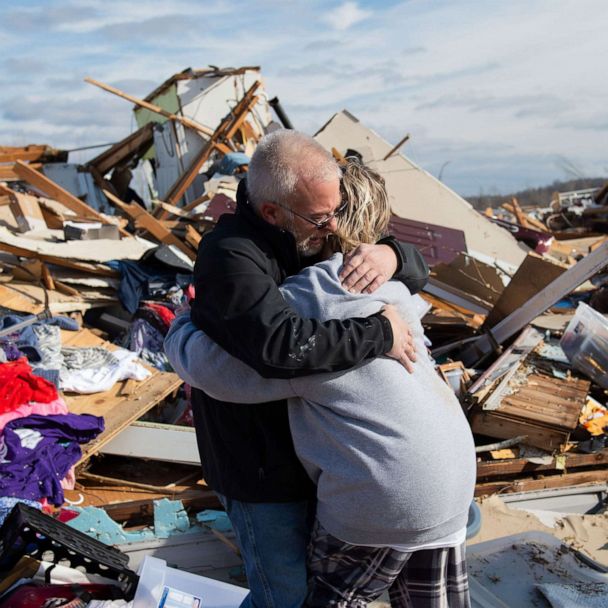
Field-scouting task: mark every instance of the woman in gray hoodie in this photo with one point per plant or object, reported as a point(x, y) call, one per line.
point(391, 452)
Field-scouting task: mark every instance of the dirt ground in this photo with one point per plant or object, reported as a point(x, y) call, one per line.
point(588, 533)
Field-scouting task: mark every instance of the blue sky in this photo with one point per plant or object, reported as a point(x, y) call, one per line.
point(509, 94)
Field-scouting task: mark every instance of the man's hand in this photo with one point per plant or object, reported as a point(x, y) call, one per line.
point(367, 267)
point(403, 348)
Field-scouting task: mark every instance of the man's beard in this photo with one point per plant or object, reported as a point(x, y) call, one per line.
point(309, 246)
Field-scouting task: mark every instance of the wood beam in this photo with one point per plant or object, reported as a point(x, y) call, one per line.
point(53, 190)
point(119, 152)
point(187, 122)
point(228, 125)
point(518, 319)
point(147, 221)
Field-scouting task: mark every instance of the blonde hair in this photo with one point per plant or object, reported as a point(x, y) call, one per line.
point(368, 211)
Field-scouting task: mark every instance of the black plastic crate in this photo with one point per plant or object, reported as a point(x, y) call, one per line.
point(27, 531)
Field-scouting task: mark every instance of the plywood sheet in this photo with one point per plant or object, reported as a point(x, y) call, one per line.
point(534, 274)
point(127, 400)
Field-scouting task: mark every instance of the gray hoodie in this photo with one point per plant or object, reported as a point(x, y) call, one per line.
point(391, 452)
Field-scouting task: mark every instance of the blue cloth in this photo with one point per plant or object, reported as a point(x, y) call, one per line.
point(231, 162)
point(8, 502)
point(273, 538)
point(33, 467)
point(136, 277)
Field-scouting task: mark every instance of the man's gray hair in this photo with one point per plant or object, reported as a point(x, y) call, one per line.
point(281, 159)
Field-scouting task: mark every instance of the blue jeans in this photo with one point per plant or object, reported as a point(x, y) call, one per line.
point(273, 538)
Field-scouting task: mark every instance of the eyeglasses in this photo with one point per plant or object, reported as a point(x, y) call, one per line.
point(318, 224)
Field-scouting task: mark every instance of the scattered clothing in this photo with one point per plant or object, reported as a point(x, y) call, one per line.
point(18, 385)
point(40, 342)
point(86, 358)
point(37, 452)
point(54, 407)
point(158, 315)
point(97, 370)
point(145, 279)
point(147, 342)
point(26, 339)
point(49, 347)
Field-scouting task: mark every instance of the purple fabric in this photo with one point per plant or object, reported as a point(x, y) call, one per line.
point(37, 473)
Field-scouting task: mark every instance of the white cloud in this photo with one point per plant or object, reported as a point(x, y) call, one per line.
point(498, 89)
point(345, 15)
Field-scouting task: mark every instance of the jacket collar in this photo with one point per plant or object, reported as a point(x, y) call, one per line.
point(282, 242)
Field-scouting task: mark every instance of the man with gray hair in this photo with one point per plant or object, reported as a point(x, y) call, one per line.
point(286, 209)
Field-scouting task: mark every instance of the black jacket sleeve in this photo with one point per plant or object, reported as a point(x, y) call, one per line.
point(412, 269)
point(239, 305)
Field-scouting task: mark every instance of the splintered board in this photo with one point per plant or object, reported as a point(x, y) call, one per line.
point(30, 298)
point(551, 401)
point(124, 403)
point(544, 409)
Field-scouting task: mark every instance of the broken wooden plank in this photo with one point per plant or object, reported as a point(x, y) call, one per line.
point(31, 298)
point(545, 483)
point(516, 466)
point(117, 409)
point(193, 238)
point(53, 190)
point(224, 131)
point(133, 145)
point(494, 424)
point(8, 173)
point(147, 221)
point(557, 289)
point(534, 274)
point(506, 365)
point(188, 122)
point(27, 211)
point(43, 153)
point(96, 269)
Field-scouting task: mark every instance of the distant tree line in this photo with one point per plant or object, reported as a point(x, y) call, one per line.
point(536, 197)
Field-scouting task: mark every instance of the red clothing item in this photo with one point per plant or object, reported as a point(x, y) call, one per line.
point(165, 314)
point(18, 385)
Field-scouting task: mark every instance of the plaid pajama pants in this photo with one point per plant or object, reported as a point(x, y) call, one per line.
point(350, 576)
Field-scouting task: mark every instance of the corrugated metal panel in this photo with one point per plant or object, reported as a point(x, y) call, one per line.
point(436, 243)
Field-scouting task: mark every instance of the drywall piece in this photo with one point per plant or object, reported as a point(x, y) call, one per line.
point(165, 442)
point(101, 250)
point(415, 194)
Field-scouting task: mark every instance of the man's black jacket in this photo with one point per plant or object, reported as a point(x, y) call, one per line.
point(246, 450)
